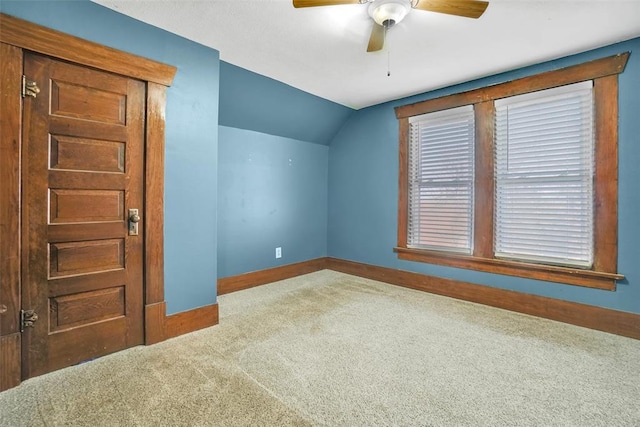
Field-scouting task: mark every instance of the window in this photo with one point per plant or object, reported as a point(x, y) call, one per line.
point(518, 178)
point(544, 176)
point(441, 148)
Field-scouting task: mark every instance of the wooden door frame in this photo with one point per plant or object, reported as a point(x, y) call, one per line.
point(17, 35)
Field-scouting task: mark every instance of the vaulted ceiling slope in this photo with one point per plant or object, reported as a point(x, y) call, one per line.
point(322, 50)
point(255, 102)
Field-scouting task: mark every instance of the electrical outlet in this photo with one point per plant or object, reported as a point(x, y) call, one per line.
point(278, 252)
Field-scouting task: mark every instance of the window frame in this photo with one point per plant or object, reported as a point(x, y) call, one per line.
point(603, 275)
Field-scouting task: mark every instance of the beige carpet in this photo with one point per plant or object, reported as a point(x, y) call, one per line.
point(337, 350)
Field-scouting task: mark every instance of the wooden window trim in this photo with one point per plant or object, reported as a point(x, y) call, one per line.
point(572, 276)
point(612, 65)
point(604, 73)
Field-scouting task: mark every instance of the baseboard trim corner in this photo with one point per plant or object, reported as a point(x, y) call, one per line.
point(191, 320)
point(155, 322)
point(256, 278)
point(598, 318)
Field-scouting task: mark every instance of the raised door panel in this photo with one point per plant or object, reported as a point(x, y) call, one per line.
point(86, 154)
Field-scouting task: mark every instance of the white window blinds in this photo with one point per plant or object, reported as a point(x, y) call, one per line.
point(544, 176)
point(441, 177)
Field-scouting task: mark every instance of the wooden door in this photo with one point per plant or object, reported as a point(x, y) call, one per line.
point(82, 172)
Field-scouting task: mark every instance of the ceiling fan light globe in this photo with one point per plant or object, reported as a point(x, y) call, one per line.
point(389, 12)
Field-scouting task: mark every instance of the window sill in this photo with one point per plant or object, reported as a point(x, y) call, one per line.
point(571, 276)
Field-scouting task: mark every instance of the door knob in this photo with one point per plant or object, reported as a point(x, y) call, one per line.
point(134, 219)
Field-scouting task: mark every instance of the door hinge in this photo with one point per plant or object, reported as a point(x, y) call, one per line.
point(27, 319)
point(29, 88)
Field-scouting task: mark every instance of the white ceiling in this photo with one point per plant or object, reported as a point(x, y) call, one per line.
point(322, 50)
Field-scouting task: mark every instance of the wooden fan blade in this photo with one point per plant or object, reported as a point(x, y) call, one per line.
point(376, 41)
point(314, 3)
point(466, 8)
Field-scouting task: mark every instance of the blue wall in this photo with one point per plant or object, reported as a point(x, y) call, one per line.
point(255, 102)
point(272, 193)
point(191, 135)
point(272, 180)
point(363, 190)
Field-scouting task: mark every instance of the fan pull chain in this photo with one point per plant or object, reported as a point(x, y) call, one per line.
point(386, 28)
point(388, 62)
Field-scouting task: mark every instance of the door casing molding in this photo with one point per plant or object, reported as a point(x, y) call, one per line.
point(17, 35)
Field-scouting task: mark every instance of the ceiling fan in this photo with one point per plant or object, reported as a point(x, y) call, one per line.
point(387, 13)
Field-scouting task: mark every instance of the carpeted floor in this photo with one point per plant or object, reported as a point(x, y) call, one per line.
point(336, 350)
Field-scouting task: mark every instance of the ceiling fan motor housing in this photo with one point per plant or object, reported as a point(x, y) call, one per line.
point(389, 12)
